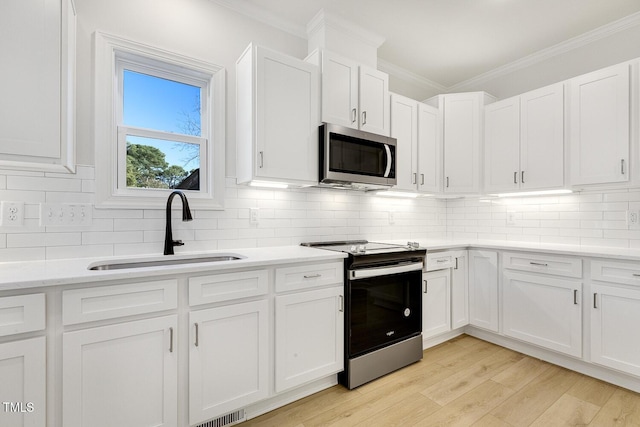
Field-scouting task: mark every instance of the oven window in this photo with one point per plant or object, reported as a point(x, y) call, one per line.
point(383, 310)
point(353, 155)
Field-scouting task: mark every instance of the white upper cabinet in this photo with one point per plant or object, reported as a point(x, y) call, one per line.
point(463, 122)
point(37, 78)
point(599, 126)
point(416, 126)
point(524, 141)
point(353, 95)
point(404, 127)
point(277, 118)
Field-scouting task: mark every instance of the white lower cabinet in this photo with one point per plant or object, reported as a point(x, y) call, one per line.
point(460, 290)
point(483, 289)
point(228, 358)
point(309, 335)
point(23, 383)
point(436, 303)
point(543, 310)
point(121, 375)
point(615, 316)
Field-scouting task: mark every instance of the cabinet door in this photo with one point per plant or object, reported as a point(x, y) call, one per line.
point(37, 40)
point(483, 289)
point(309, 336)
point(228, 359)
point(460, 291)
point(462, 143)
point(544, 311)
point(374, 101)
point(542, 138)
point(404, 127)
point(502, 145)
point(23, 387)
point(436, 303)
point(121, 375)
point(615, 316)
point(287, 97)
point(339, 90)
point(429, 149)
point(599, 126)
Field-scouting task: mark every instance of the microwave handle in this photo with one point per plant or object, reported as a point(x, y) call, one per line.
point(389, 161)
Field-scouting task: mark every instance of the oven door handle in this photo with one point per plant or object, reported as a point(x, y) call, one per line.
point(384, 271)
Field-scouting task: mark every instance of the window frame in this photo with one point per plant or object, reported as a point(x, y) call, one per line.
point(113, 56)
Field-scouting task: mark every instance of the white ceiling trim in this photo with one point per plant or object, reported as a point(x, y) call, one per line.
point(544, 54)
point(263, 15)
point(408, 76)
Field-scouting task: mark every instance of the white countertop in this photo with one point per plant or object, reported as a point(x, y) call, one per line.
point(31, 274)
point(22, 275)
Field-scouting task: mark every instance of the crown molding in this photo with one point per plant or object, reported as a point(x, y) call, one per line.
point(408, 76)
point(582, 40)
point(263, 15)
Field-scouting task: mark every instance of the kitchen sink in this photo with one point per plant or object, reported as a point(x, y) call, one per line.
point(159, 262)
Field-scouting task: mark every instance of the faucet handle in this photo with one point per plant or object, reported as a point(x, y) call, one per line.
point(177, 242)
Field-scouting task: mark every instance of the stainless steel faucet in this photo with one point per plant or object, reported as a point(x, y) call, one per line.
point(169, 243)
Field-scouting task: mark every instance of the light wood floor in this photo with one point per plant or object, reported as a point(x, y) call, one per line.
point(467, 382)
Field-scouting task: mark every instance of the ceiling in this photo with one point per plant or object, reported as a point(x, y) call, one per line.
point(446, 42)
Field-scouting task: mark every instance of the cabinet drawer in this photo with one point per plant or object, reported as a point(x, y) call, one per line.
point(109, 302)
point(549, 264)
point(309, 276)
point(616, 272)
point(228, 286)
point(22, 313)
point(440, 260)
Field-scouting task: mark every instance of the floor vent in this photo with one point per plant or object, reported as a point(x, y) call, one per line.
point(225, 420)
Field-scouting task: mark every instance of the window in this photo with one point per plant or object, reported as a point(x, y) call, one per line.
point(159, 126)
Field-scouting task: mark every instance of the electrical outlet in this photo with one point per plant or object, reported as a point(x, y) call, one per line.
point(633, 219)
point(12, 214)
point(254, 216)
point(66, 214)
point(511, 218)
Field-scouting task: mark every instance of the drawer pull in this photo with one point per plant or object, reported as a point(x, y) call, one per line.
point(341, 303)
point(170, 340)
point(196, 335)
point(575, 297)
point(312, 276)
point(425, 286)
point(456, 267)
point(595, 304)
point(636, 275)
point(541, 264)
point(442, 260)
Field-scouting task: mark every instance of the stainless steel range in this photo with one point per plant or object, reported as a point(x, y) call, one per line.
point(383, 292)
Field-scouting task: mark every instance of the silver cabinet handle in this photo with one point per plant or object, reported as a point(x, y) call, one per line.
point(522, 177)
point(595, 305)
point(364, 117)
point(575, 297)
point(421, 179)
point(456, 267)
point(312, 276)
point(447, 182)
point(415, 178)
point(261, 159)
point(354, 115)
point(622, 166)
point(426, 284)
point(170, 340)
point(636, 275)
point(515, 177)
point(539, 263)
point(341, 309)
point(441, 260)
point(196, 343)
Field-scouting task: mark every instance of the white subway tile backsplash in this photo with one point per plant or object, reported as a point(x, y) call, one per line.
point(43, 183)
point(3, 182)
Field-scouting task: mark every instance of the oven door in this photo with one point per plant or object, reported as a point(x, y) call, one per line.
point(383, 309)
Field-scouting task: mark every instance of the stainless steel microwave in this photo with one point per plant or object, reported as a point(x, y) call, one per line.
point(356, 159)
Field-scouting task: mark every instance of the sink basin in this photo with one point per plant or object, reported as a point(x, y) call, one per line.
point(119, 265)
